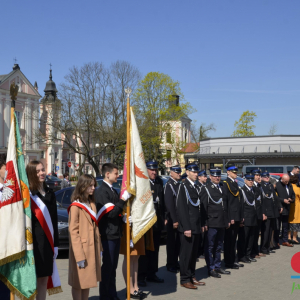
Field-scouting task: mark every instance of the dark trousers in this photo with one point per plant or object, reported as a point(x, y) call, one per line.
point(213, 246)
point(229, 243)
point(277, 230)
point(245, 242)
point(285, 228)
point(257, 229)
point(173, 246)
point(4, 291)
point(188, 257)
point(110, 257)
point(148, 264)
point(201, 244)
point(266, 234)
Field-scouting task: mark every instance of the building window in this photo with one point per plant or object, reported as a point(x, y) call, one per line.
point(55, 155)
point(169, 154)
point(42, 154)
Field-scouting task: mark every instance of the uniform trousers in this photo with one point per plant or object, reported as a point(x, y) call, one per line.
point(173, 245)
point(148, 264)
point(245, 242)
point(201, 244)
point(277, 230)
point(4, 291)
point(229, 243)
point(188, 256)
point(285, 227)
point(213, 246)
point(257, 229)
point(107, 287)
point(266, 234)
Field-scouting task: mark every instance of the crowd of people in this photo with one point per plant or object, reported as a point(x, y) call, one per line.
point(202, 216)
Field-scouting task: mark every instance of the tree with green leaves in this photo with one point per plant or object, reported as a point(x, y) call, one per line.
point(244, 126)
point(156, 101)
point(201, 132)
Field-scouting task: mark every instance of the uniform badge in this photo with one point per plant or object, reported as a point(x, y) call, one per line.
point(212, 186)
point(267, 195)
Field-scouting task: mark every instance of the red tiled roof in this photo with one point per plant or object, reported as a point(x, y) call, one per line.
point(190, 147)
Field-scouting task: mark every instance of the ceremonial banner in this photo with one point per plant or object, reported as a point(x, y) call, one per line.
point(142, 207)
point(17, 268)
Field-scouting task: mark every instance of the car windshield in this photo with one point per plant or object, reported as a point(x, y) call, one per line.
point(52, 178)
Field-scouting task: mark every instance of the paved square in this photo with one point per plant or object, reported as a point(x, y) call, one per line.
point(268, 279)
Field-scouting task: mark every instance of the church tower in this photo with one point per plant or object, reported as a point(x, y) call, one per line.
point(50, 117)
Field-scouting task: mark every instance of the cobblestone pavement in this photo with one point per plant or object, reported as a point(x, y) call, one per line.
point(268, 278)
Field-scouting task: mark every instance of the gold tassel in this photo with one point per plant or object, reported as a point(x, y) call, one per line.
point(55, 290)
point(11, 258)
point(15, 291)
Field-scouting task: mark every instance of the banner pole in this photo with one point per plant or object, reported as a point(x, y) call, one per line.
point(13, 96)
point(128, 90)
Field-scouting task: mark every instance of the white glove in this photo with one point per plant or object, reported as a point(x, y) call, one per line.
point(131, 244)
point(126, 196)
point(124, 219)
point(55, 252)
point(80, 264)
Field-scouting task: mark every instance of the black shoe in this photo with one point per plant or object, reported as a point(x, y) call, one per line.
point(173, 270)
point(222, 271)
point(272, 251)
point(142, 294)
point(265, 252)
point(245, 260)
point(214, 274)
point(135, 295)
point(239, 265)
point(142, 282)
point(155, 279)
point(252, 259)
point(231, 266)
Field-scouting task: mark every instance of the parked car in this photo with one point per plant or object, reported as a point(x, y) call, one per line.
point(63, 197)
point(272, 169)
point(53, 182)
point(63, 227)
point(116, 185)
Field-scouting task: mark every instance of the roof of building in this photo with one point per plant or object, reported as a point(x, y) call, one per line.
point(190, 148)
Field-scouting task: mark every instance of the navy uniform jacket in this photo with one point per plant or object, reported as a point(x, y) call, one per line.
point(249, 212)
point(269, 205)
point(282, 194)
point(234, 207)
point(258, 201)
point(213, 215)
point(159, 205)
point(171, 191)
point(188, 214)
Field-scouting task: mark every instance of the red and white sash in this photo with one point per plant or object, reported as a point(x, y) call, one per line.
point(96, 218)
point(41, 212)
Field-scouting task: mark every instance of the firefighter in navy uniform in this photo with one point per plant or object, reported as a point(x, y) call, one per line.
point(214, 218)
point(148, 264)
point(260, 216)
point(202, 180)
point(234, 208)
point(188, 209)
point(173, 241)
point(246, 236)
point(269, 205)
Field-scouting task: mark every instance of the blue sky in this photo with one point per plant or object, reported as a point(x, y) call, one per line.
point(229, 56)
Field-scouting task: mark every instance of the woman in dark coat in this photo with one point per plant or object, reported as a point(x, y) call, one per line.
point(42, 250)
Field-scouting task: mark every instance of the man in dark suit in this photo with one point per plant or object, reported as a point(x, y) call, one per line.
point(148, 264)
point(214, 219)
point(173, 241)
point(269, 205)
point(246, 237)
point(295, 171)
point(188, 208)
point(234, 208)
point(110, 227)
point(259, 212)
point(202, 181)
point(286, 196)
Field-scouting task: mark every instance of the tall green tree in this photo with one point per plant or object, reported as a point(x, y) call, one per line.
point(156, 103)
point(244, 126)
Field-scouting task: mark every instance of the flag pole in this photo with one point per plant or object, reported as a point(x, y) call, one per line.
point(128, 91)
point(13, 95)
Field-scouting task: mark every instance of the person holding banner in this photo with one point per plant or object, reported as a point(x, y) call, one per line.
point(85, 241)
point(109, 208)
point(44, 222)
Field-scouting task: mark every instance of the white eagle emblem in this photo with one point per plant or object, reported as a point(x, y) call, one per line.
point(7, 191)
